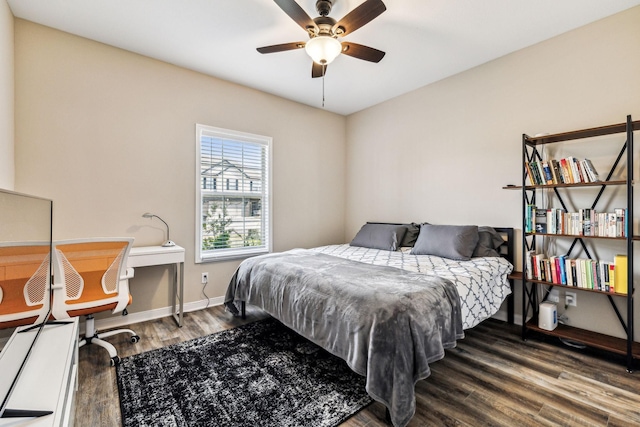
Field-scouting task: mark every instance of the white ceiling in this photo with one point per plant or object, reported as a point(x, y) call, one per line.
point(424, 40)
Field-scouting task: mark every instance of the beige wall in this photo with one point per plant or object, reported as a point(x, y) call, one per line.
point(109, 135)
point(6, 98)
point(442, 153)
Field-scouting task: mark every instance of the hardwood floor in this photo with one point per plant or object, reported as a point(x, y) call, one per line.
point(492, 378)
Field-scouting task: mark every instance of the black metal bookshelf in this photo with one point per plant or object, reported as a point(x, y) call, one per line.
point(531, 298)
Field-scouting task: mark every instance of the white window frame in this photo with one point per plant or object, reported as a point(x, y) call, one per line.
point(243, 252)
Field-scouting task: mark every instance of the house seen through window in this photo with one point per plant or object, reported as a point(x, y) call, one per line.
point(232, 195)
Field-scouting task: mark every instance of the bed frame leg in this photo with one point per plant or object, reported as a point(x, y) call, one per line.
point(243, 308)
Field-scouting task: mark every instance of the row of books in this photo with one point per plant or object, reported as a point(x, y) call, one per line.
point(564, 171)
point(579, 272)
point(585, 222)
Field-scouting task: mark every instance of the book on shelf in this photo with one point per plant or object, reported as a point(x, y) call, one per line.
point(537, 171)
point(553, 270)
point(532, 180)
point(541, 176)
point(604, 274)
point(620, 272)
point(574, 169)
point(529, 169)
point(541, 273)
point(612, 276)
point(595, 277)
point(585, 271)
point(581, 172)
point(576, 272)
point(562, 268)
point(582, 273)
point(620, 222)
point(585, 215)
point(555, 170)
point(593, 174)
point(611, 224)
point(569, 170)
point(585, 222)
point(529, 218)
point(547, 173)
point(540, 220)
point(566, 171)
point(529, 264)
point(569, 271)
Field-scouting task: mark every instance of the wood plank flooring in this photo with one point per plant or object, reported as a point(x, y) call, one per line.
point(492, 378)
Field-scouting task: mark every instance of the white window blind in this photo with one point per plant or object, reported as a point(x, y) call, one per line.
point(233, 183)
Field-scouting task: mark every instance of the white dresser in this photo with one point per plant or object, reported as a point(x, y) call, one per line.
point(50, 377)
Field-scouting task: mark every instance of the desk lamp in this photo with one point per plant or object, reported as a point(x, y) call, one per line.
point(168, 242)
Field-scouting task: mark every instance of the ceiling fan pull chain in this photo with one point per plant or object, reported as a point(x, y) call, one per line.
point(324, 71)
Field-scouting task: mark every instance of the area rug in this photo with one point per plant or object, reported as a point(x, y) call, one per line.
point(259, 374)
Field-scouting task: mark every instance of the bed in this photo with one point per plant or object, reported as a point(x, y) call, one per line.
point(389, 303)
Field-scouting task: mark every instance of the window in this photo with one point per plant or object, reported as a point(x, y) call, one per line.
point(233, 220)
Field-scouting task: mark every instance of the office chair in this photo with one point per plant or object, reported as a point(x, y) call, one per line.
point(90, 276)
point(25, 278)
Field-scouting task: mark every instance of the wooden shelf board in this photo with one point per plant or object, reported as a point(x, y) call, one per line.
point(576, 288)
point(580, 134)
point(589, 338)
point(577, 184)
point(576, 236)
point(515, 275)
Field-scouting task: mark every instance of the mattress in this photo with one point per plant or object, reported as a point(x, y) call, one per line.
point(481, 282)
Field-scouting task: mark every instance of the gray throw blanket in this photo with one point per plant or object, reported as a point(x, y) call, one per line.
point(387, 324)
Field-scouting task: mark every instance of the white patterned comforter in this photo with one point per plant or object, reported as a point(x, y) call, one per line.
point(481, 282)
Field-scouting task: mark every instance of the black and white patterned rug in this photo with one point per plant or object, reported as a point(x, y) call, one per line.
point(259, 374)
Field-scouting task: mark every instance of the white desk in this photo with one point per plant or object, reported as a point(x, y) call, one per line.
point(49, 378)
point(146, 256)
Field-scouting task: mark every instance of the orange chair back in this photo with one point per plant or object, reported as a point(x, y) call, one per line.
point(92, 273)
point(24, 280)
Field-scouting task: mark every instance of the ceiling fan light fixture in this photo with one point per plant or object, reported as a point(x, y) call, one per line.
point(323, 49)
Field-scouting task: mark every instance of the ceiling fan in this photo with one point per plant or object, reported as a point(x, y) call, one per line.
point(323, 45)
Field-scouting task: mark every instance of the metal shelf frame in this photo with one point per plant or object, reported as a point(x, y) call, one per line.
point(530, 297)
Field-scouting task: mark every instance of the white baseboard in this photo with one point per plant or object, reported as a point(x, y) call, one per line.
point(143, 316)
point(118, 321)
point(502, 315)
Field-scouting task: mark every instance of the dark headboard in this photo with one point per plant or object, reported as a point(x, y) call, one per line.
point(507, 251)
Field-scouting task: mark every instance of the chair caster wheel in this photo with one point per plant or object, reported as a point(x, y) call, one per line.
point(115, 361)
point(135, 338)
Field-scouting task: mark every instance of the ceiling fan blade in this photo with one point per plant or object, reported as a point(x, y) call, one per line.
point(361, 15)
point(362, 52)
point(295, 12)
point(318, 70)
point(281, 47)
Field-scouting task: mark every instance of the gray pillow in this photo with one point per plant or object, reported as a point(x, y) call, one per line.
point(489, 240)
point(448, 241)
point(379, 236)
point(410, 236)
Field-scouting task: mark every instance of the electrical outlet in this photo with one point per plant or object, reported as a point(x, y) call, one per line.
point(205, 278)
point(554, 296)
point(570, 298)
